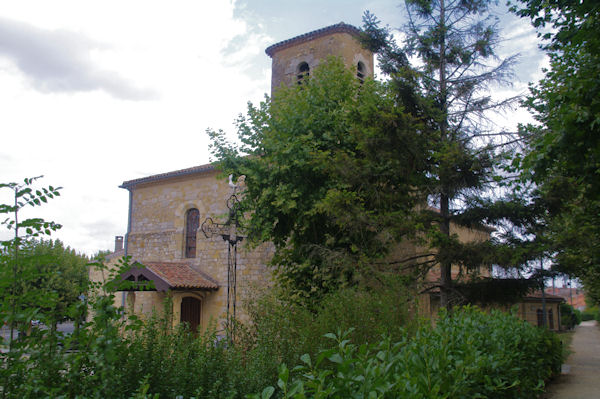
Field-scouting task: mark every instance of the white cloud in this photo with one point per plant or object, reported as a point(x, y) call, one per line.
point(67, 65)
point(60, 61)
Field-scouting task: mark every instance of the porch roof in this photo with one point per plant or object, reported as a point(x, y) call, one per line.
point(168, 276)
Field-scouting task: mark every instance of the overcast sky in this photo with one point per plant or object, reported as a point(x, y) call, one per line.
point(93, 93)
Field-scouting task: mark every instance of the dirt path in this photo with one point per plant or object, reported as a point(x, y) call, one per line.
point(582, 381)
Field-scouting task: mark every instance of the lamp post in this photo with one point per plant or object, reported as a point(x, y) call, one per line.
point(229, 232)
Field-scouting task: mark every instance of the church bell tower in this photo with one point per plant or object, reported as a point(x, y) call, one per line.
point(294, 59)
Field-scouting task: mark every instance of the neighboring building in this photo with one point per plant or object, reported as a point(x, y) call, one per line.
point(574, 296)
point(531, 309)
point(103, 275)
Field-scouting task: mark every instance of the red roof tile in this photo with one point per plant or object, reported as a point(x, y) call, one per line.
point(168, 276)
point(181, 275)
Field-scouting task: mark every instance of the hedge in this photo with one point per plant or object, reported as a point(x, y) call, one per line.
point(468, 354)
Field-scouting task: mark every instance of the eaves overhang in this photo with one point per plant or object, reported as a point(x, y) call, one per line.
point(129, 184)
point(165, 276)
point(342, 27)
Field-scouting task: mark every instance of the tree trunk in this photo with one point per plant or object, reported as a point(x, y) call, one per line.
point(445, 266)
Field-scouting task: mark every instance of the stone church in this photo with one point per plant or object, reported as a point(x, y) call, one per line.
point(165, 239)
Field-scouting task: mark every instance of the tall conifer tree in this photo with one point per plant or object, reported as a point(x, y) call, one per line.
point(454, 42)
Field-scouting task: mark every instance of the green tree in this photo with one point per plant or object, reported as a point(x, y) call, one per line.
point(564, 147)
point(455, 44)
point(13, 274)
point(53, 278)
point(331, 170)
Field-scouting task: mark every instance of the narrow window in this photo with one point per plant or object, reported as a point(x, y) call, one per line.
point(360, 71)
point(550, 319)
point(303, 72)
point(540, 317)
point(191, 227)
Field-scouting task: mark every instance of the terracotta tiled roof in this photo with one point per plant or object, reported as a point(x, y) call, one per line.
point(182, 172)
point(181, 275)
point(337, 28)
point(170, 276)
point(537, 295)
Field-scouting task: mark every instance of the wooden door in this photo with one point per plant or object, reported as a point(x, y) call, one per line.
point(191, 312)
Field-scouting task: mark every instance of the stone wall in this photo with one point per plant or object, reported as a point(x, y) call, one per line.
point(286, 61)
point(158, 235)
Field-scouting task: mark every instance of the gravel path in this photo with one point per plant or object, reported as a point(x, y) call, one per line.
point(582, 377)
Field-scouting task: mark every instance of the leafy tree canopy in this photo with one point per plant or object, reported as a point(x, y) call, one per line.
point(564, 147)
point(332, 170)
point(52, 278)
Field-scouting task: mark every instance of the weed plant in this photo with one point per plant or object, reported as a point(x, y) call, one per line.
point(281, 331)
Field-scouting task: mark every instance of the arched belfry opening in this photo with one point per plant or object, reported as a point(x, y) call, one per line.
point(303, 72)
point(360, 71)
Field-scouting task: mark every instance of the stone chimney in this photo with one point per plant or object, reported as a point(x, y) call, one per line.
point(118, 243)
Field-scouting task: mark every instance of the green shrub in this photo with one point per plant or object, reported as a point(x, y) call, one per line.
point(569, 316)
point(467, 355)
point(281, 330)
point(590, 313)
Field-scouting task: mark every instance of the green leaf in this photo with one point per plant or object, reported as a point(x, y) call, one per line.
point(336, 358)
point(267, 392)
point(305, 358)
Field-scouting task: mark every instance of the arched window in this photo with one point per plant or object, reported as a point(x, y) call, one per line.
point(551, 319)
point(192, 222)
point(360, 71)
point(302, 73)
point(540, 317)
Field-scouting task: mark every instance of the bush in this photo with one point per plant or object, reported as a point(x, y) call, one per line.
point(468, 355)
point(569, 316)
point(591, 313)
point(281, 331)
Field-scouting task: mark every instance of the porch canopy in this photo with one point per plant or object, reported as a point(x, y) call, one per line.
point(166, 276)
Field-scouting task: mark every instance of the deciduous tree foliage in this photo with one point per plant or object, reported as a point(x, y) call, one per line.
point(564, 157)
point(332, 171)
point(52, 278)
point(12, 272)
